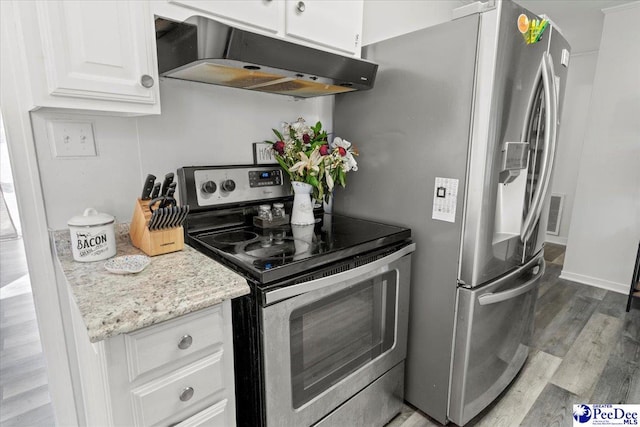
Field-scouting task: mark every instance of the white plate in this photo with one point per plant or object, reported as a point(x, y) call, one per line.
point(127, 264)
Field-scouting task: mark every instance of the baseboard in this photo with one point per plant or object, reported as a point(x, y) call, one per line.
point(594, 281)
point(556, 240)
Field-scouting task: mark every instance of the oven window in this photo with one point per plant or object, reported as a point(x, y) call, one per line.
point(334, 336)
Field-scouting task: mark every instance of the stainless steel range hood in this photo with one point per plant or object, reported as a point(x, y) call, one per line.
point(207, 51)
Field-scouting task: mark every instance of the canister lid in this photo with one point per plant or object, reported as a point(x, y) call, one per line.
point(91, 218)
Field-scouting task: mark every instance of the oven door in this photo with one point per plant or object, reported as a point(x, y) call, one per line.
point(327, 339)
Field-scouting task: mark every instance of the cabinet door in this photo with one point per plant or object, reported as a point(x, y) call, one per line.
point(100, 50)
point(264, 14)
point(327, 23)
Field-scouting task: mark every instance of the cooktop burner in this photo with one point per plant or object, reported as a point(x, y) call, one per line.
point(269, 248)
point(233, 237)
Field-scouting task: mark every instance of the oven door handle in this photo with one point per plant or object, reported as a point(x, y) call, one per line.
point(364, 272)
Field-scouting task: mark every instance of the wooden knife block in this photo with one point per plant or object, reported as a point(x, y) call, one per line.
point(156, 242)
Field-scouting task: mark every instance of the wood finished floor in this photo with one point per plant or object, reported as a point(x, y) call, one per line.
point(586, 350)
point(24, 391)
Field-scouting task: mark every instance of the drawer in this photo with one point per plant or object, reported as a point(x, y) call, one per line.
point(213, 416)
point(176, 392)
point(167, 342)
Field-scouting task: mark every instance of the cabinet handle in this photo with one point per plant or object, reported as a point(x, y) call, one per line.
point(185, 342)
point(146, 80)
point(187, 393)
point(301, 6)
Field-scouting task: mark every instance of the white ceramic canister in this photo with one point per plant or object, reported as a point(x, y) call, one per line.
point(92, 236)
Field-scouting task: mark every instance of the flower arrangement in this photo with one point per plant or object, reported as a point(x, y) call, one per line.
point(306, 154)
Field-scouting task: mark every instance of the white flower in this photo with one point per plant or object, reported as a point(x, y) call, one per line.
point(330, 184)
point(307, 163)
point(339, 142)
point(300, 128)
point(348, 161)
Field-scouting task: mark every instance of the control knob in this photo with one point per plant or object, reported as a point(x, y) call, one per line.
point(228, 185)
point(209, 187)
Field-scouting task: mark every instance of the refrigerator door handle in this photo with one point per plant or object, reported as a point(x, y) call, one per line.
point(491, 298)
point(551, 120)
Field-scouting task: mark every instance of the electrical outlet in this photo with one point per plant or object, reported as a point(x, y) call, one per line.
point(72, 138)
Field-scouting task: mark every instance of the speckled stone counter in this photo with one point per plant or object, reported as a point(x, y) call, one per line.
point(172, 285)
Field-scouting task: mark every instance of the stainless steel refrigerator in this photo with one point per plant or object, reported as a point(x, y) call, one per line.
point(457, 141)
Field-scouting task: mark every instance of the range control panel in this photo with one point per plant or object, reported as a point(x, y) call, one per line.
point(215, 185)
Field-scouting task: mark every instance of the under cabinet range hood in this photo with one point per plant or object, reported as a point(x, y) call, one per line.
point(207, 51)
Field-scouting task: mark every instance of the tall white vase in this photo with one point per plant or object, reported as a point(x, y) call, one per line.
point(302, 213)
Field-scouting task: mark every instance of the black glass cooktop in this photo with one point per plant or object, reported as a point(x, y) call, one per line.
point(272, 254)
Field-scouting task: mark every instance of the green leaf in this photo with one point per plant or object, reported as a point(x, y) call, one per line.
point(313, 180)
point(283, 165)
point(278, 134)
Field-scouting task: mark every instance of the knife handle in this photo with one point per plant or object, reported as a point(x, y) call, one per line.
point(168, 179)
point(171, 191)
point(148, 187)
point(156, 190)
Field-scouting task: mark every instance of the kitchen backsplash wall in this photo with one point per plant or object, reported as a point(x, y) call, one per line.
point(200, 124)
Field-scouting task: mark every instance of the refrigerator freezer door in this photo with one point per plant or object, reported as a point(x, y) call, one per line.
point(507, 76)
point(495, 324)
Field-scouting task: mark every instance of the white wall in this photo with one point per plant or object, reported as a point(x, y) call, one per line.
point(200, 125)
point(605, 224)
point(384, 19)
point(571, 136)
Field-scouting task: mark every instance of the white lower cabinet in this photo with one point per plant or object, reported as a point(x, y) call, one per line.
point(167, 395)
point(178, 372)
point(213, 416)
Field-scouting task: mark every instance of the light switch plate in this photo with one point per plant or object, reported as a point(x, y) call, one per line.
point(72, 138)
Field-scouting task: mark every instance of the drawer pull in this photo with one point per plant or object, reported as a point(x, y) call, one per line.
point(186, 394)
point(185, 342)
point(146, 81)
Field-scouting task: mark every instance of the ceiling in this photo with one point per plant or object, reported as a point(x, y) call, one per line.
point(579, 20)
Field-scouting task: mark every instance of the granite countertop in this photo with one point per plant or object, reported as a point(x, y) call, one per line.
point(170, 286)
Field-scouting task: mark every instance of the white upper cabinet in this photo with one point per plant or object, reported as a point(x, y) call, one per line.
point(263, 14)
point(336, 24)
point(326, 24)
point(92, 55)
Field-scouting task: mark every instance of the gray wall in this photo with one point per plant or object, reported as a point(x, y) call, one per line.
point(199, 125)
point(605, 223)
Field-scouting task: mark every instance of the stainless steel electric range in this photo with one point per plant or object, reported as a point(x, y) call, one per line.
point(321, 339)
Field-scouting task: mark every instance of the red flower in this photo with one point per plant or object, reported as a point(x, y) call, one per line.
point(324, 150)
point(342, 151)
point(279, 147)
point(306, 138)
